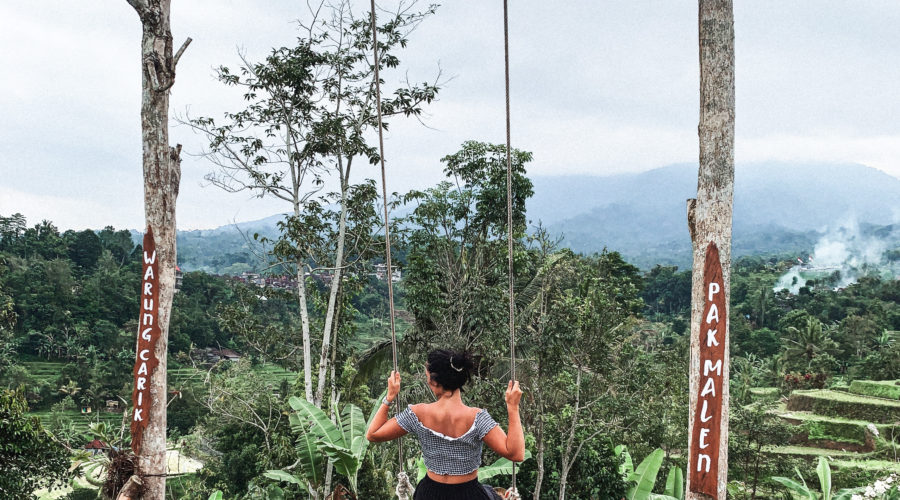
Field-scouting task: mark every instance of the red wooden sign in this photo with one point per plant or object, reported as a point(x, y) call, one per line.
point(704, 456)
point(148, 334)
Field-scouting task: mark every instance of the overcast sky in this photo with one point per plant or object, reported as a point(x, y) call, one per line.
point(598, 87)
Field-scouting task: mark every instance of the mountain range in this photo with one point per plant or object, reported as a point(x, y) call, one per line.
point(778, 208)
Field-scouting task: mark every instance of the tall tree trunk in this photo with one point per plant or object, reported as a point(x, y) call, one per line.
point(568, 459)
point(304, 327)
point(709, 220)
point(335, 285)
point(539, 437)
point(162, 174)
point(539, 394)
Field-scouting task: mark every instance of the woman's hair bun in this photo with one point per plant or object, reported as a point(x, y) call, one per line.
point(450, 369)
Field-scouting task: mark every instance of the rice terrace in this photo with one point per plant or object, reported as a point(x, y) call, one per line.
point(482, 250)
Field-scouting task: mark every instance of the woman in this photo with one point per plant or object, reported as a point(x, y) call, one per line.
point(451, 433)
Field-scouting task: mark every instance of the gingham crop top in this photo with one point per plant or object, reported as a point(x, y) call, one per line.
point(444, 454)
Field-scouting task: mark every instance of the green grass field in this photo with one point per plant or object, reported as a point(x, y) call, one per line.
point(44, 370)
point(80, 420)
point(887, 389)
point(845, 405)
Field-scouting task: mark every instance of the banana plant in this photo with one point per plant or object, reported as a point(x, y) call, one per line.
point(343, 443)
point(801, 490)
point(501, 466)
point(642, 478)
point(675, 483)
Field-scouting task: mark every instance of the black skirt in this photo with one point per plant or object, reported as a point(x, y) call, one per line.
point(429, 489)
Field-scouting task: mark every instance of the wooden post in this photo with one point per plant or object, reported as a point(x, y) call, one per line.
point(709, 220)
point(162, 174)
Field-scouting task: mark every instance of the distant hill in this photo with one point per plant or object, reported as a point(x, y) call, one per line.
point(778, 207)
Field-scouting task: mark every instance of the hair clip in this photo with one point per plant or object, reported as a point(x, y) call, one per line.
point(454, 367)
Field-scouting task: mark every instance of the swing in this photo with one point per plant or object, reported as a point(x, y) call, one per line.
point(404, 488)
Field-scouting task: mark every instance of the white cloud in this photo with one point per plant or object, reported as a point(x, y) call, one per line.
point(881, 152)
point(597, 87)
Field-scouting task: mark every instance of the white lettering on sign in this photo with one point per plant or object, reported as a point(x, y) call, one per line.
point(711, 338)
point(145, 362)
point(700, 462)
point(709, 388)
point(708, 366)
point(710, 371)
point(704, 417)
point(713, 314)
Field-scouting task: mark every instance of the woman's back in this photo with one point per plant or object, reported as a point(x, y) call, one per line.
point(451, 438)
point(452, 434)
point(452, 420)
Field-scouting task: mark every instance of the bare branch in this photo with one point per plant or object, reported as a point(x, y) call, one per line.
point(180, 51)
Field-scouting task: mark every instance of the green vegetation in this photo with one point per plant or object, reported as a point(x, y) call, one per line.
point(764, 393)
point(888, 389)
point(31, 459)
point(267, 384)
point(842, 404)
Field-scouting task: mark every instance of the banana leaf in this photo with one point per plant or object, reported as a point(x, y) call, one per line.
point(824, 473)
point(311, 462)
point(501, 466)
point(353, 428)
point(675, 483)
point(626, 466)
point(644, 476)
point(280, 475)
point(795, 487)
point(320, 425)
point(345, 463)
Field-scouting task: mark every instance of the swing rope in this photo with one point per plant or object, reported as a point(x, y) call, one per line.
point(387, 227)
point(512, 492)
point(403, 486)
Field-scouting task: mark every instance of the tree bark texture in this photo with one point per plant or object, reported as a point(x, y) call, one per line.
point(710, 214)
point(327, 330)
point(567, 459)
point(162, 174)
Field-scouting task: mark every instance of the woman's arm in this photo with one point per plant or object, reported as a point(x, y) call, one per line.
point(381, 428)
point(510, 446)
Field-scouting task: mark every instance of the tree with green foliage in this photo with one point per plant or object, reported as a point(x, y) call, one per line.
point(754, 428)
point(667, 291)
point(29, 457)
point(84, 249)
point(8, 318)
point(802, 345)
point(456, 281)
point(309, 111)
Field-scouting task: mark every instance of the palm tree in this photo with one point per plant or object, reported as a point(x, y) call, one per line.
point(810, 341)
point(70, 389)
point(887, 339)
